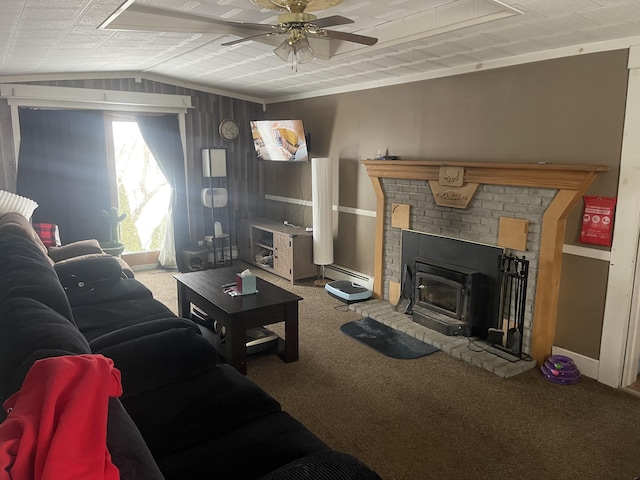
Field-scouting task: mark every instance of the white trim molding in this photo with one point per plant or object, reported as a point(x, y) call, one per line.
point(85, 98)
point(357, 211)
point(618, 316)
point(571, 51)
point(586, 252)
point(587, 366)
point(634, 57)
point(294, 201)
point(307, 203)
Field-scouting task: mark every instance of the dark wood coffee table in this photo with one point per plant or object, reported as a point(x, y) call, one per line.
point(270, 305)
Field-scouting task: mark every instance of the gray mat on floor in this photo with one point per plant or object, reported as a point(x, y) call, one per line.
point(386, 340)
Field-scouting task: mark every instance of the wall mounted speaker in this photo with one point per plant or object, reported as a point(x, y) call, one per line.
point(195, 259)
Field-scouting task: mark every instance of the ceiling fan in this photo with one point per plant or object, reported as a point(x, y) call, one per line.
point(296, 23)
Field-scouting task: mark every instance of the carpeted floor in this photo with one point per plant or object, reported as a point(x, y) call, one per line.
point(436, 417)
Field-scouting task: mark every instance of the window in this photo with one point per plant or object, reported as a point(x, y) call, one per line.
point(141, 190)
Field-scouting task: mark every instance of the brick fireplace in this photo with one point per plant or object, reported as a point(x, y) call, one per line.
point(541, 194)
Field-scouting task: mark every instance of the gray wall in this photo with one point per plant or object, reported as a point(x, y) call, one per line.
point(565, 111)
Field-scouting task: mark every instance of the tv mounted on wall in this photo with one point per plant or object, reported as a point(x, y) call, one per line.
point(280, 140)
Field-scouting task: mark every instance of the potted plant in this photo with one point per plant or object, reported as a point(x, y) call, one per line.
point(113, 246)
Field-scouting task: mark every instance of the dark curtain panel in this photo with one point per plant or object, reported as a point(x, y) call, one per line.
point(161, 133)
point(63, 167)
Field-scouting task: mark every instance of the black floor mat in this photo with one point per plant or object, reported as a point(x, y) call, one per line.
point(386, 340)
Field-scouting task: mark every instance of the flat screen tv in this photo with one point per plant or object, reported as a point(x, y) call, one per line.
point(280, 140)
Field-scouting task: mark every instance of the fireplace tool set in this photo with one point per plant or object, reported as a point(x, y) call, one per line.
point(514, 272)
point(405, 302)
point(444, 298)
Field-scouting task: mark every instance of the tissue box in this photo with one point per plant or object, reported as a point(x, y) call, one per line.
point(246, 283)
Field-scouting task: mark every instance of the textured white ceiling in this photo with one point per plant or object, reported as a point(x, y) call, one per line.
point(417, 39)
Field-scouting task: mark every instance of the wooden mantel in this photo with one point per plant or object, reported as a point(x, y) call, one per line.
point(571, 181)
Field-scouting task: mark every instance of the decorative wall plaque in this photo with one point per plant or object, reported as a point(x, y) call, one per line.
point(400, 215)
point(452, 176)
point(455, 197)
point(450, 189)
point(512, 233)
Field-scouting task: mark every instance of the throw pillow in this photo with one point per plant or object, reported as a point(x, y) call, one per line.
point(48, 233)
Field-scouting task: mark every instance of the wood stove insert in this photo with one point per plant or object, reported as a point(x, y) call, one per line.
point(445, 297)
point(469, 259)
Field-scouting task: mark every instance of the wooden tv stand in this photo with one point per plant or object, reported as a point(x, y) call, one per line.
point(281, 249)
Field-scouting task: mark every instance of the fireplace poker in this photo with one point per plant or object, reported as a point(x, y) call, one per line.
point(404, 304)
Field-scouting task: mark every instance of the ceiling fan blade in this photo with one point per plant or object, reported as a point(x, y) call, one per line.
point(145, 18)
point(246, 39)
point(331, 21)
point(255, 26)
point(351, 37)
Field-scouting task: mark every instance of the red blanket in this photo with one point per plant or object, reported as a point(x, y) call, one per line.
point(56, 427)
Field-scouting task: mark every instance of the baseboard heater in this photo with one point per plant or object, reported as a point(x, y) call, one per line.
point(336, 272)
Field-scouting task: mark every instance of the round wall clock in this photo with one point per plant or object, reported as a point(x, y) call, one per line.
point(229, 129)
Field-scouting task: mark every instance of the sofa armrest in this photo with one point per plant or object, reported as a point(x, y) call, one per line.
point(85, 270)
point(26, 272)
point(75, 249)
point(83, 248)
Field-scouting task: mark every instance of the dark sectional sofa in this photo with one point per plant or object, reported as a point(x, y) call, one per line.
point(182, 414)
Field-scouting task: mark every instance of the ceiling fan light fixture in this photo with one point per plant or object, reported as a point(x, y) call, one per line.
point(284, 51)
point(304, 52)
point(295, 49)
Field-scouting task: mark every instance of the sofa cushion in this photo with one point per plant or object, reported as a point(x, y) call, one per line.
point(246, 452)
point(96, 320)
point(31, 331)
point(25, 272)
point(140, 330)
point(156, 353)
point(196, 409)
